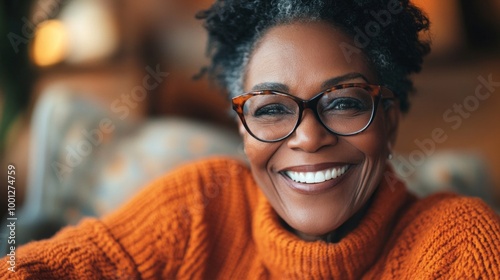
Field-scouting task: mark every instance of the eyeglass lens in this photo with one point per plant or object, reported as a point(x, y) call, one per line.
point(343, 111)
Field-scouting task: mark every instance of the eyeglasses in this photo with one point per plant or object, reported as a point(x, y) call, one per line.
point(346, 109)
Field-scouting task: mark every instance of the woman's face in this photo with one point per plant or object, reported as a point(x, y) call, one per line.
point(298, 59)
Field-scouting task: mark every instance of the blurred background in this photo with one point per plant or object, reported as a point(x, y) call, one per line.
point(97, 97)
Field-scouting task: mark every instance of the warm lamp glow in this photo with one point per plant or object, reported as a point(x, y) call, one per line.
point(50, 43)
point(92, 33)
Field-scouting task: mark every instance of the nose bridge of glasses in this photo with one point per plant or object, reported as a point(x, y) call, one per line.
point(311, 103)
point(312, 127)
point(312, 106)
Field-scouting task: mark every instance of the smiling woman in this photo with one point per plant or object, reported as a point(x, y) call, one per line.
point(319, 199)
point(341, 134)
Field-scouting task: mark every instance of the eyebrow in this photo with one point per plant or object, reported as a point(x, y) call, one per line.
point(327, 84)
point(337, 80)
point(271, 86)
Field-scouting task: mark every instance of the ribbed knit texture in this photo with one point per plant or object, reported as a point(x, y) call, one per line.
point(209, 220)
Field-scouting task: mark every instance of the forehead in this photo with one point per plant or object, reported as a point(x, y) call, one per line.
point(303, 56)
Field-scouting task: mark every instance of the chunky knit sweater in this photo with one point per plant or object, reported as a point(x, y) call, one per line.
point(209, 220)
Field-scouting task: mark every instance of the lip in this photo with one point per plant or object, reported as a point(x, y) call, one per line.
point(317, 188)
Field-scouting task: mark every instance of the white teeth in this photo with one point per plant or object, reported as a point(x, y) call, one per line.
point(319, 177)
point(309, 177)
point(316, 177)
point(335, 172)
point(301, 177)
point(328, 175)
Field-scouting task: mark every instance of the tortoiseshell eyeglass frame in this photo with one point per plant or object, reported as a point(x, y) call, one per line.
point(377, 92)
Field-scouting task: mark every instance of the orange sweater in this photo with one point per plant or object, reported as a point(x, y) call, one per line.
point(209, 220)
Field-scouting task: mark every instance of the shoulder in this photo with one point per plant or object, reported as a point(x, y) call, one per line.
point(207, 166)
point(450, 211)
point(189, 189)
point(192, 183)
point(206, 175)
point(176, 211)
point(211, 177)
point(179, 195)
point(448, 234)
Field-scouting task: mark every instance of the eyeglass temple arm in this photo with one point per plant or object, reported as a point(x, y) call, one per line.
point(388, 97)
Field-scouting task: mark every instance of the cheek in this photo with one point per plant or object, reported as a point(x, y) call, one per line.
point(373, 141)
point(258, 153)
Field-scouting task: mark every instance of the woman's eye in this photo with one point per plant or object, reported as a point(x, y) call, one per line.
point(343, 104)
point(272, 110)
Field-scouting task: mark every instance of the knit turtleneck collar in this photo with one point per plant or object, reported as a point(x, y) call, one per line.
point(288, 257)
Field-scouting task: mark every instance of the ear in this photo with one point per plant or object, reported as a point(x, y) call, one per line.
point(392, 115)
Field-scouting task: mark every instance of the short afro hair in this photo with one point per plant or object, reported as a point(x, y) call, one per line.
point(394, 49)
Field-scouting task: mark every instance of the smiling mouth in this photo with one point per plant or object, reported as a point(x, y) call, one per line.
point(317, 177)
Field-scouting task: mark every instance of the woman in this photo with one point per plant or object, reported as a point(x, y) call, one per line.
point(318, 87)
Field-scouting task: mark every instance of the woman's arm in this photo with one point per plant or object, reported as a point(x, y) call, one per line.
point(146, 238)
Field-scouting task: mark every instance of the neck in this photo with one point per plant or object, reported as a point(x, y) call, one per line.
point(337, 234)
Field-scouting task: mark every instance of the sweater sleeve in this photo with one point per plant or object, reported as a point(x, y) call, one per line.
point(459, 239)
point(145, 239)
point(86, 251)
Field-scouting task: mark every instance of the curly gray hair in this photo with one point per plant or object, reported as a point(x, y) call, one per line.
point(390, 29)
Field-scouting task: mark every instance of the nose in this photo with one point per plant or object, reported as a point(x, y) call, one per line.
point(310, 136)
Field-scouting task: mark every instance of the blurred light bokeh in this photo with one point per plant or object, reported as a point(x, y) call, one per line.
point(50, 44)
